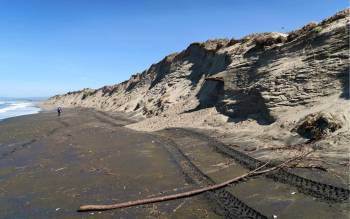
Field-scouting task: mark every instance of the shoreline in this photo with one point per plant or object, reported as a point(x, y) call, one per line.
point(13, 111)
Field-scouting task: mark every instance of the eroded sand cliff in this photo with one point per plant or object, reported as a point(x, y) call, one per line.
point(261, 92)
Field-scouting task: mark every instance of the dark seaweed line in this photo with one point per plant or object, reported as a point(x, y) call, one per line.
point(26, 144)
point(307, 186)
point(54, 130)
point(22, 146)
point(232, 206)
point(107, 119)
point(65, 124)
point(118, 119)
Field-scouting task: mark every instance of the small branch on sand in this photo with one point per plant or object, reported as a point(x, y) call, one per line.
point(298, 147)
point(311, 167)
point(179, 206)
point(255, 172)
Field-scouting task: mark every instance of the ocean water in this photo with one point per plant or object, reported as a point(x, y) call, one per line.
point(17, 107)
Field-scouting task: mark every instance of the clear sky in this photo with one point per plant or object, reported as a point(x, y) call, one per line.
point(53, 46)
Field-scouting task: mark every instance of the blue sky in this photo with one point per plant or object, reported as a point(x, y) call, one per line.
point(54, 46)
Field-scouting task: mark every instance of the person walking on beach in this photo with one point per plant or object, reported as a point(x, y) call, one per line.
point(59, 111)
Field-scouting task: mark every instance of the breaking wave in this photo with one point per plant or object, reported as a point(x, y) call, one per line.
point(12, 108)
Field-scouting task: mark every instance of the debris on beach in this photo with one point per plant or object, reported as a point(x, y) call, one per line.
point(318, 125)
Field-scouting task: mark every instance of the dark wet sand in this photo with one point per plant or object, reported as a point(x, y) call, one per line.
point(49, 166)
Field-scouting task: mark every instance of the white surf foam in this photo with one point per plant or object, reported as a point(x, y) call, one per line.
point(17, 108)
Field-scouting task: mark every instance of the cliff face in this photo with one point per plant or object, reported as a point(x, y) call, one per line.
point(257, 77)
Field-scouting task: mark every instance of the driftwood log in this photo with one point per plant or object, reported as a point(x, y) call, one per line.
point(254, 172)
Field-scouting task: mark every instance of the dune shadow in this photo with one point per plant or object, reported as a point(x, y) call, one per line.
point(238, 105)
point(344, 79)
point(204, 62)
point(246, 105)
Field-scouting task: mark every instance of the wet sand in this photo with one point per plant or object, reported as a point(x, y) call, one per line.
point(49, 166)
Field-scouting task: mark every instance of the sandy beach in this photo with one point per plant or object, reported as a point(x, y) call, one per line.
point(175, 109)
point(51, 165)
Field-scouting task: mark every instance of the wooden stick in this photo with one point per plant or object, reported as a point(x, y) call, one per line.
point(189, 193)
